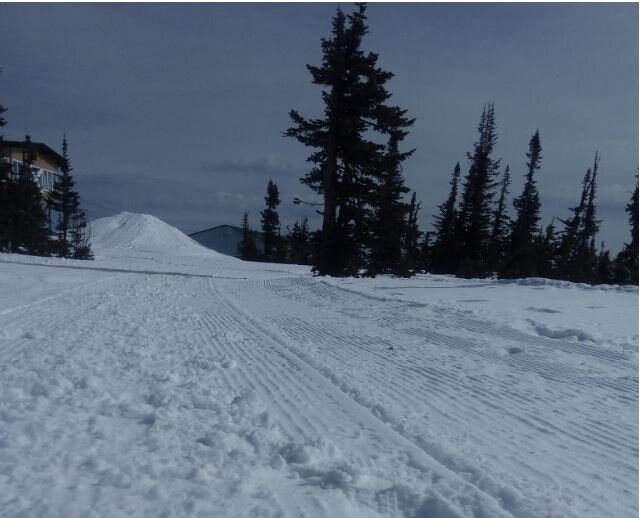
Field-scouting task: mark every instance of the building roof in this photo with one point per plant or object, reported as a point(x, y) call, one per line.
point(224, 238)
point(39, 147)
point(215, 228)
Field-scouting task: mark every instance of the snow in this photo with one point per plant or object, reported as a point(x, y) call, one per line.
point(142, 232)
point(164, 379)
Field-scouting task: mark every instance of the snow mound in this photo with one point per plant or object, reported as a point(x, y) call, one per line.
point(142, 232)
point(540, 282)
point(561, 334)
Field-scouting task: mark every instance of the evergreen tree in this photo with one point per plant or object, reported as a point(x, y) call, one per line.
point(425, 263)
point(501, 226)
point(29, 222)
point(271, 225)
point(604, 273)
point(577, 255)
point(444, 250)
point(389, 216)
point(521, 258)
point(545, 247)
point(474, 219)
point(5, 192)
point(346, 163)
point(247, 246)
point(66, 201)
point(299, 243)
point(627, 261)
point(80, 245)
point(569, 240)
point(587, 254)
point(412, 235)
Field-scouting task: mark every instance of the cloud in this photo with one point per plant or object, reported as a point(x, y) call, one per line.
point(268, 167)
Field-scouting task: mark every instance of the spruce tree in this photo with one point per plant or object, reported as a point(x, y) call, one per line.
point(412, 235)
point(501, 226)
point(389, 216)
point(29, 221)
point(521, 258)
point(587, 254)
point(569, 236)
point(247, 246)
point(5, 192)
point(66, 202)
point(544, 252)
point(444, 250)
point(425, 253)
point(474, 219)
point(271, 225)
point(80, 245)
point(627, 261)
point(577, 255)
point(346, 163)
point(299, 243)
point(604, 272)
point(591, 224)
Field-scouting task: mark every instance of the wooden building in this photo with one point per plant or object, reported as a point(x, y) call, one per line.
point(46, 161)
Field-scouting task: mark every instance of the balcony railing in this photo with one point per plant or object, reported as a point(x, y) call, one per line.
point(46, 179)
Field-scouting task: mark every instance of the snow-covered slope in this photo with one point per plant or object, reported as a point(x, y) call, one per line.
point(158, 381)
point(142, 232)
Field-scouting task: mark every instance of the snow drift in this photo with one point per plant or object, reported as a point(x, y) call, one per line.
point(142, 232)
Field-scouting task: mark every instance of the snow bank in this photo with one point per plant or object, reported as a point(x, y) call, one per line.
point(554, 283)
point(142, 232)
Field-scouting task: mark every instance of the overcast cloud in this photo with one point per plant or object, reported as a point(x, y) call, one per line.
point(178, 110)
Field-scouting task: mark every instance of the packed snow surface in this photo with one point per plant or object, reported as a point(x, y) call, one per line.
point(141, 232)
point(163, 379)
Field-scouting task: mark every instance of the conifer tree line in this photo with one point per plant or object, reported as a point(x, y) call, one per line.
point(295, 247)
point(369, 224)
point(33, 224)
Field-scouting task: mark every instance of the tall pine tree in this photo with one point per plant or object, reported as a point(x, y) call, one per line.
point(5, 192)
point(604, 269)
point(299, 243)
point(501, 225)
point(270, 225)
point(545, 246)
point(389, 216)
point(66, 202)
point(346, 162)
point(30, 233)
point(412, 235)
point(474, 221)
point(577, 254)
point(444, 251)
point(80, 236)
point(247, 246)
point(627, 261)
point(521, 260)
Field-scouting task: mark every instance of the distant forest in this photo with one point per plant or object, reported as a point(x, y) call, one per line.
point(369, 225)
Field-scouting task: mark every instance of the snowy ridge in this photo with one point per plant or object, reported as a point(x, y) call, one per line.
point(142, 232)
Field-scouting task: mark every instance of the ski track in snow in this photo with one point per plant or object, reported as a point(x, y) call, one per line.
point(192, 384)
point(409, 380)
point(331, 417)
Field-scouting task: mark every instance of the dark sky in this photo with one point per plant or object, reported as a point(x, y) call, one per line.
point(178, 110)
